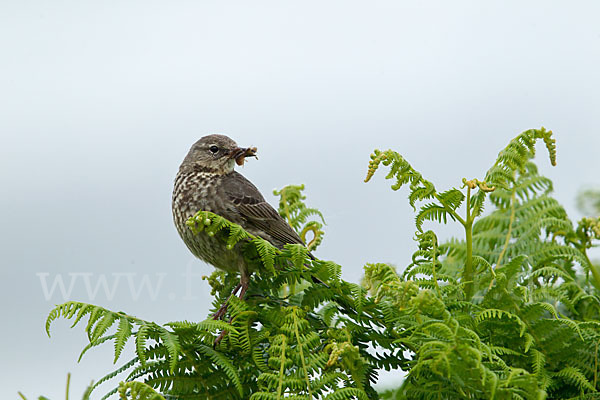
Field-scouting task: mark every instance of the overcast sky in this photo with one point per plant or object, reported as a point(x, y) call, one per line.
point(100, 101)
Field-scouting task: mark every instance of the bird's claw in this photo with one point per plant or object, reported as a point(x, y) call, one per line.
point(220, 312)
point(219, 338)
point(223, 309)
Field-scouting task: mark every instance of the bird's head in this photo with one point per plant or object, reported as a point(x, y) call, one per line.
point(217, 153)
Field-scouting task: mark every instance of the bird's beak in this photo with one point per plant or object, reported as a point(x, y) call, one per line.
point(239, 154)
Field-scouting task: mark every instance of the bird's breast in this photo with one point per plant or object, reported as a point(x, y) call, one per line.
point(193, 191)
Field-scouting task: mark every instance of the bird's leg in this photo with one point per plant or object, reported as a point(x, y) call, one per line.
point(221, 311)
point(244, 283)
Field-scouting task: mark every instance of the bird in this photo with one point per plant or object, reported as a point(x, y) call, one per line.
point(207, 181)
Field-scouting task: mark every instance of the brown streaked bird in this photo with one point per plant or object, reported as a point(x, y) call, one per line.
point(207, 181)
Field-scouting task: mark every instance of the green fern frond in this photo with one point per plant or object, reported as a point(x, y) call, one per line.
point(575, 377)
point(140, 343)
point(298, 254)
point(491, 313)
point(94, 344)
point(346, 394)
point(114, 373)
point(138, 391)
point(420, 188)
point(226, 365)
point(267, 252)
point(171, 342)
point(518, 152)
point(297, 214)
point(432, 212)
point(236, 235)
point(121, 337)
point(452, 198)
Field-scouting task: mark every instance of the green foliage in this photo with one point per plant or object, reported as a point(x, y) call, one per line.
point(138, 391)
point(293, 209)
point(523, 324)
point(508, 311)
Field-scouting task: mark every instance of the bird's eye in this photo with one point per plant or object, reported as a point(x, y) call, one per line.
point(213, 148)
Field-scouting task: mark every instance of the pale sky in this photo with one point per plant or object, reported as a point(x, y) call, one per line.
point(100, 101)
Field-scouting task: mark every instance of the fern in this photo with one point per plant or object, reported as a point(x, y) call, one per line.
point(293, 209)
point(510, 310)
point(178, 358)
point(508, 295)
point(138, 391)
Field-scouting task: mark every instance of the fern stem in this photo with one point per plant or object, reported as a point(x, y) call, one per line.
point(596, 364)
point(592, 267)
point(433, 261)
point(468, 271)
point(302, 354)
point(68, 384)
point(510, 227)
point(468, 205)
point(281, 368)
point(286, 208)
point(510, 223)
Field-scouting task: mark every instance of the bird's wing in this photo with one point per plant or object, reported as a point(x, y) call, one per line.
point(260, 216)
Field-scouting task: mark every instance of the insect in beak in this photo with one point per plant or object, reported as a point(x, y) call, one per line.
point(240, 154)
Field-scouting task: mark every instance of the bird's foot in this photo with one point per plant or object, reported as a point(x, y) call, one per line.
point(220, 337)
point(221, 312)
point(223, 309)
point(244, 285)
